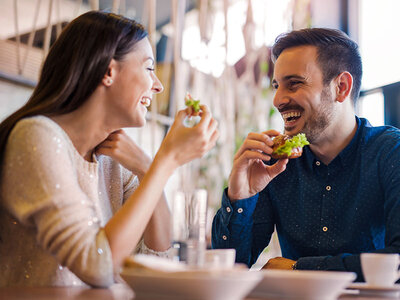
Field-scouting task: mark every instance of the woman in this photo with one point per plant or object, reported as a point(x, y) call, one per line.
point(67, 167)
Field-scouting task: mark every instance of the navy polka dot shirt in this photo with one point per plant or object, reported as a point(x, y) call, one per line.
point(325, 215)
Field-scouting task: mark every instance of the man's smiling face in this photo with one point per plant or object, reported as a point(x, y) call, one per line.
point(306, 105)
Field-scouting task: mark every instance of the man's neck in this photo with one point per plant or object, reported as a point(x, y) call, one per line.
point(334, 139)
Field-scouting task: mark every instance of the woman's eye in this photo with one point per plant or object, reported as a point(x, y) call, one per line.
point(150, 69)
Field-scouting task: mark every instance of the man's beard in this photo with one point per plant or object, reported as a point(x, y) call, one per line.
point(321, 118)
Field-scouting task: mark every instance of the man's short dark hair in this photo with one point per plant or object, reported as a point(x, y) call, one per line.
point(336, 53)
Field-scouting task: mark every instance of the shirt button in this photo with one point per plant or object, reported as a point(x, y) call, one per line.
point(228, 209)
point(224, 237)
point(240, 210)
point(325, 228)
point(317, 163)
point(328, 187)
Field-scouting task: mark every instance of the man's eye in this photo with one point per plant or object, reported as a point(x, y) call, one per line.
point(293, 84)
point(274, 86)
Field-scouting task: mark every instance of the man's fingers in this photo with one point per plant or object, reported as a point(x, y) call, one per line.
point(251, 155)
point(271, 132)
point(262, 137)
point(254, 145)
point(278, 167)
point(259, 141)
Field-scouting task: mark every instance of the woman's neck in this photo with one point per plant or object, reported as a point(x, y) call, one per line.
point(85, 127)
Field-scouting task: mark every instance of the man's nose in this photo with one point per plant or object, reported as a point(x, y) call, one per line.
point(280, 99)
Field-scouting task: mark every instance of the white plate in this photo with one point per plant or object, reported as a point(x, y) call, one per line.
point(231, 284)
point(364, 288)
point(299, 284)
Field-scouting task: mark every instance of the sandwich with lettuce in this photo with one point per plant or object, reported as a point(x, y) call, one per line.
point(288, 147)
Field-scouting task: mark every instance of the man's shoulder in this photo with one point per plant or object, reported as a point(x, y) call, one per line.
point(382, 134)
point(381, 140)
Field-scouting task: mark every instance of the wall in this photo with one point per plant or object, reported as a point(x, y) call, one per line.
point(12, 97)
point(326, 13)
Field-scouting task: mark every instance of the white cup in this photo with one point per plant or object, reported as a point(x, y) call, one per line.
point(220, 258)
point(380, 269)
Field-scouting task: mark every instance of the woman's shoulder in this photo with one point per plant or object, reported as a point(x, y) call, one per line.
point(36, 124)
point(37, 129)
point(39, 136)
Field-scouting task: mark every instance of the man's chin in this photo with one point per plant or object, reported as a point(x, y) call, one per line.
point(292, 130)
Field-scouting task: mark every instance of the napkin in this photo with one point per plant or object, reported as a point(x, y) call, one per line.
point(154, 263)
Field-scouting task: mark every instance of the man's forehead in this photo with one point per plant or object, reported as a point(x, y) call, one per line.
point(301, 61)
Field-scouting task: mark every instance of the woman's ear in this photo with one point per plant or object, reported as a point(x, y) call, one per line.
point(344, 85)
point(109, 77)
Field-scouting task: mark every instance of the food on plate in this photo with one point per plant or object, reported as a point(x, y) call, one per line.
point(289, 147)
point(193, 104)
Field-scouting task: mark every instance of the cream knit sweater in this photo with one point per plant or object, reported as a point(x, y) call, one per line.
point(54, 205)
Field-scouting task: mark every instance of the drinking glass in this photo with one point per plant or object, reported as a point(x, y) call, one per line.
point(189, 215)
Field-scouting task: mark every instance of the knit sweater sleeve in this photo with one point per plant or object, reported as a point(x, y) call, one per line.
point(40, 188)
point(131, 182)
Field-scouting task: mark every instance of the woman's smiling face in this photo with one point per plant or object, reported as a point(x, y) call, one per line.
point(134, 85)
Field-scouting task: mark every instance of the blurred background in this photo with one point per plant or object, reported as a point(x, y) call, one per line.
point(219, 51)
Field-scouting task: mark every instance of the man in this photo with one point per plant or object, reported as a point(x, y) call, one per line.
point(342, 196)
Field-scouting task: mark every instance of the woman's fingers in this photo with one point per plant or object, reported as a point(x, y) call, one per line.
point(212, 127)
point(205, 117)
point(213, 140)
point(180, 116)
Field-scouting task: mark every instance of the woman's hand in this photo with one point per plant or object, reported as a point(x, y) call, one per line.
point(123, 149)
point(183, 144)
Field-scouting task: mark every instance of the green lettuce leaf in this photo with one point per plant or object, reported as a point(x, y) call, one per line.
point(298, 140)
point(195, 104)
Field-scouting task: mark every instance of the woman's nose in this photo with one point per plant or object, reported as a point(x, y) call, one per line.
point(157, 85)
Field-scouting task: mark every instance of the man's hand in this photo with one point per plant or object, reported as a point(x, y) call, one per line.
point(249, 173)
point(279, 263)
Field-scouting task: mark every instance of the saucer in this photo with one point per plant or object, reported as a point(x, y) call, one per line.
point(366, 289)
point(302, 284)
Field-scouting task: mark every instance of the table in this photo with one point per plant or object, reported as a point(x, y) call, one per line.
point(115, 292)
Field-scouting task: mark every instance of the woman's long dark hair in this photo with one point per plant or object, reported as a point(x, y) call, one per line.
point(75, 66)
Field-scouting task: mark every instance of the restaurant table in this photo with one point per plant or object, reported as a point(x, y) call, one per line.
point(115, 292)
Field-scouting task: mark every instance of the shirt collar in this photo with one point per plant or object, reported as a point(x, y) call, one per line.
point(347, 154)
point(350, 151)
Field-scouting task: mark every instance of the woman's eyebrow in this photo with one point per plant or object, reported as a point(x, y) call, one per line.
point(150, 58)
